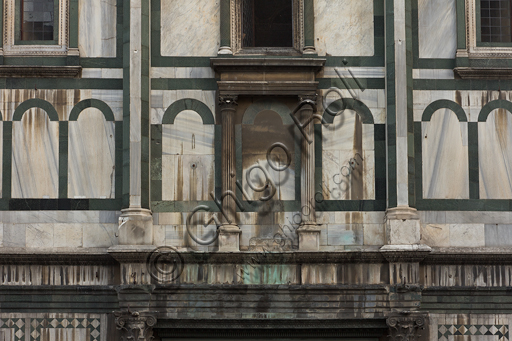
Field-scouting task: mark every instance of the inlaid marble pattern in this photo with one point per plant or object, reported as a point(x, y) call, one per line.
point(344, 27)
point(187, 158)
point(445, 157)
point(437, 31)
point(348, 160)
point(162, 99)
point(97, 28)
point(35, 158)
point(91, 156)
point(495, 155)
point(190, 27)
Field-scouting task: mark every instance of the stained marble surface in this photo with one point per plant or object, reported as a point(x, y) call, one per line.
point(188, 160)
point(35, 159)
point(445, 157)
point(97, 28)
point(437, 31)
point(344, 27)
point(190, 27)
point(162, 99)
point(91, 156)
point(348, 161)
point(495, 155)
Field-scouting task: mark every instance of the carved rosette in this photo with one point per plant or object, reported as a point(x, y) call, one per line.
point(135, 327)
point(405, 328)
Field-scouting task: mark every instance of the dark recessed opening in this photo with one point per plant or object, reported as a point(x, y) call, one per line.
point(495, 21)
point(267, 23)
point(37, 19)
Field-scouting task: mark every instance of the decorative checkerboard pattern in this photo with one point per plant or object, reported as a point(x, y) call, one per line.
point(17, 325)
point(446, 330)
point(36, 324)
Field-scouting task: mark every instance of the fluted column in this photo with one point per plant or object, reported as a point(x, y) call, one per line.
point(309, 232)
point(229, 236)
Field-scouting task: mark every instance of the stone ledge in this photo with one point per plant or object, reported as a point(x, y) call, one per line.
point(483, 72)
point(34, 71)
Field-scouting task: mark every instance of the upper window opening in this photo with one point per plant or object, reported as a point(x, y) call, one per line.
point(37, 19)
point(267, 23)
point(495, 21)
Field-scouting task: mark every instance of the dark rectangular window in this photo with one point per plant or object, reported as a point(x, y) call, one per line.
point(37, 19)
point(495, 21)
point(267, 23)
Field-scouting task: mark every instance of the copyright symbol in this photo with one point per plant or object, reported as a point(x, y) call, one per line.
point(165, 264)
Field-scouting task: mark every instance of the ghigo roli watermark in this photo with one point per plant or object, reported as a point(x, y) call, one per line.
point(165, 264)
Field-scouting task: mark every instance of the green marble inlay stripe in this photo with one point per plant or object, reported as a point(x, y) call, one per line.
point(91, 103)
point(35, 103)
point(119, 159)
point(348, 103)
point(474, 176)
point(444, 103)
point(126, 102)
point(492, 105)
point(188, 104)
point(225, 22)
point(63, 159)
point(7, 160)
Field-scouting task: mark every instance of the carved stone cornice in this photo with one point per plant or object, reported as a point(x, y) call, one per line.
point(405, 253)
point(53, 257)
point(134, 326)
point(405, 326)
point(33, 71)
point(483, 72)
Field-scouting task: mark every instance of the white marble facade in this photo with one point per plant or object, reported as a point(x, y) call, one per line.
point(97, 29)
point(190, 27)
point(344, 27)
point(445, 157)
point(348, 160)
point(187, 158)
point(91, 156)
point(437, 31)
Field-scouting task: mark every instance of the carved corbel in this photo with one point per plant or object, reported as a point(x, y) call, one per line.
point(405, 327)
point(135, 327)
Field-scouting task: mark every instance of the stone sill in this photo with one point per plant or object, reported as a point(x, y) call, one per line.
point(483, 73)
point(33, 71)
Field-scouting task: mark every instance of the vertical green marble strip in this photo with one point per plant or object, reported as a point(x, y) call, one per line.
point(318, 158)
point(119, 160)
point(239, 159)
point(410, 9)
point(156, 162)
point(145, 105)
point(126, 103)
point(73, 23)
point(461, 24)
point(379, 136)
point(225, 22)
point(309, 23)
point(63, 159)
point(390, 104)
point(418, 161)
point(7, 160)
point(474, 176)
point(218, 160)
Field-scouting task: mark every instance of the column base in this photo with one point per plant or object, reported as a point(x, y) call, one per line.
point(309, 50)
point(225, 50)
point(309, 237)
point(135, 227)
point(229, 238)
point(402, 226)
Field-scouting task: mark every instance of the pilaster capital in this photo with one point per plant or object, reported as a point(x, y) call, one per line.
point(405, 326)
point(228, 101)
point(134, 326)
point(311, 97)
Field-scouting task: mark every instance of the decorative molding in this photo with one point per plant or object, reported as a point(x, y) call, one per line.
point(11, 49)
point(298, 31)
point(16, 71)
point(484, 72)
point(405, 326)
point(24, 257)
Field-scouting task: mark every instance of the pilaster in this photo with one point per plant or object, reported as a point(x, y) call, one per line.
point(135, 327)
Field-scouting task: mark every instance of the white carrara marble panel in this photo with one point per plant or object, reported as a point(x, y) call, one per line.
point(188, 163)
point(35, 164)
point(97, 29)
point(437, 31)
point(91, 156)
point(190, 27)
point(495, 155)
point(445, 157)
point(344, 27)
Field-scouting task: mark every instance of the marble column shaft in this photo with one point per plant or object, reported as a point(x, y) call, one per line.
point(228, 110)
point(307, 178)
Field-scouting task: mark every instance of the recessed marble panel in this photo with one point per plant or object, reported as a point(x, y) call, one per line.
point(35, 159)
point(495, 155)
point(344, 27)
point(188, 135)
point(445, 157)
point(190, 27)
point(437, 31)
point(91, 156)
point(97, 28)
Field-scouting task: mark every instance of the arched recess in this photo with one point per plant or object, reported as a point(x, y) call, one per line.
point(35, 150)
point(188, 104)
point(91, 151)
point(188, 158)
point(265, 123)
point(348, 151)
point(495, 150)
point(445, 151)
